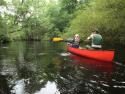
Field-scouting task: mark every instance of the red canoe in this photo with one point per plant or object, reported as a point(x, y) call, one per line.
point(103, 55)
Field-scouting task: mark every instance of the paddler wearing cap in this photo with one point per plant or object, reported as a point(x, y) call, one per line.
point(76, 41)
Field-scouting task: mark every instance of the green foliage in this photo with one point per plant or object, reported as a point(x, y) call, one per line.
point(29, 23)
point(2, 2)
point(62, 20)
point(3, 31)
point(38, 19)
point(4, 39)
point(105, 16)
point(68, 5)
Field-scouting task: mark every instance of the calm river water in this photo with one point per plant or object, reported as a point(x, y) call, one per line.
point(47, 68)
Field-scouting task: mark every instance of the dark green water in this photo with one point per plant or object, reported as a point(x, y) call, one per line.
point(46, 68)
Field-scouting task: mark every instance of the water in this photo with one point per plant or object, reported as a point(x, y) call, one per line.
point(47, 68)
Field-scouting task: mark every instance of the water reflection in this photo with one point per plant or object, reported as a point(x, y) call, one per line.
point(84, 76)
point(46, 68)
point(81, 80)
point(92, 63)
point(4, 87)
point(28, 66)
point(50, 88)
point(19, 87)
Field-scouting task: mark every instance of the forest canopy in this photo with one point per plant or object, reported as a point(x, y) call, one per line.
point(43, 19)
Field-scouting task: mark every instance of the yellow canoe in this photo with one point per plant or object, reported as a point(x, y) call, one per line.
point(56, 39)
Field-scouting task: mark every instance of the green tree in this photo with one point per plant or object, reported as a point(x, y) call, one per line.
point(28, 20)
point(105, 16)
point(2, 2)
point(68, 5)
point(3, 29)
point(62, 14)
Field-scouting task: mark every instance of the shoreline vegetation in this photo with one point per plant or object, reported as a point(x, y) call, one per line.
point(41, 20)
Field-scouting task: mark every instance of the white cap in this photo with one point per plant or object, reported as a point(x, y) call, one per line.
point(76, 35)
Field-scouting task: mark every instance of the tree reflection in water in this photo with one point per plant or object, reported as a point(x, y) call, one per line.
point(77, 78)
point(4, 88)
point(33, 68)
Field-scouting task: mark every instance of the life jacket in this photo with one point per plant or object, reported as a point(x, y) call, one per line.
point(97, 39)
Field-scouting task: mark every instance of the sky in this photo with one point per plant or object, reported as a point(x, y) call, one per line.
point(8, 1)
point(10, 9)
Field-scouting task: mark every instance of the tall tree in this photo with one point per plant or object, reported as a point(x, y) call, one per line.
point(68, 5)
point(107, 17)
point(2, 2)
